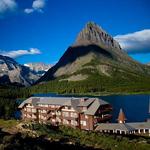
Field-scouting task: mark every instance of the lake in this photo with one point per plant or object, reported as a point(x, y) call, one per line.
point(135, 107)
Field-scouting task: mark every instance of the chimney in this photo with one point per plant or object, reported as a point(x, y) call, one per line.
point(121, 117)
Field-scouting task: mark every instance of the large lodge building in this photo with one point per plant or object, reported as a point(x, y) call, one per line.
point(83, 113)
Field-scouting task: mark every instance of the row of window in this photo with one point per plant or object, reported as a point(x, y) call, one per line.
point(72, 114)
point(30, 110)
point(46, 105)
point(30, 116)
point(65, 114)
point(73, 122)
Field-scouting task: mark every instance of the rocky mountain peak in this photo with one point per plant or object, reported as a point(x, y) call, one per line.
point(94, 34)
point(94, 55)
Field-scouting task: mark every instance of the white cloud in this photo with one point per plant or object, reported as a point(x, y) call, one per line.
point(7, 5)
point(136, 42)
point(37, 5)
point(28, 10)
point(18, 53)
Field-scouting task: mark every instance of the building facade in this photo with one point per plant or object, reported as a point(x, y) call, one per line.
point(83, 113)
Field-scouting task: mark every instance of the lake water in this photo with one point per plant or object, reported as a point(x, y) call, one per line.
point(135, 107)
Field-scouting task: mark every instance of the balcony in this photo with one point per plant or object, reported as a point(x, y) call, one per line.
point(70, 117)
point(49, 116)
point(46, 108)
point(29, 112)
point(102, 119)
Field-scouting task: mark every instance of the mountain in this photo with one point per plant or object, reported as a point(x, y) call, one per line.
point(12, 73)
point(39, 68)
point(94, 51)
point(148, 64)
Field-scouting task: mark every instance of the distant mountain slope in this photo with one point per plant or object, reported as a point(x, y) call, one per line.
point(148, 64)
point(95, 54)
point(12, 73)
point(39, 68)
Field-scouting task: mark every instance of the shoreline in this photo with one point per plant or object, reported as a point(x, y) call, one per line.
point(97, 94)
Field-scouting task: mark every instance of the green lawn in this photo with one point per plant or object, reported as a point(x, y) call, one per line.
point(8, 123)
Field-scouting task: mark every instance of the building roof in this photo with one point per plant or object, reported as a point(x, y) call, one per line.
point(85, 102)
point(92, 104)
point(123, 126)
point(140, 125)
point(31, 100)
point(114, 126)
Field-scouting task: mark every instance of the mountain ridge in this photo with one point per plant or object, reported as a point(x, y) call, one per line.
point(13, 73)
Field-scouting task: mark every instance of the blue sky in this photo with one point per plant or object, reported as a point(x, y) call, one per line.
point(41, 30)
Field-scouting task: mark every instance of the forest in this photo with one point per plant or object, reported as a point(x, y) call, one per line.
point(95, 85)
point(8, 97)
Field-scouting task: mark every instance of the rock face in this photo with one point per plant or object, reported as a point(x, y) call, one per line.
point(94, 52)
point(92, 33)
point(12, 73)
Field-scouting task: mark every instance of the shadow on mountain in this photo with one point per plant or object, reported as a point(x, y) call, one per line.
point(23, 142)
point(71, 55)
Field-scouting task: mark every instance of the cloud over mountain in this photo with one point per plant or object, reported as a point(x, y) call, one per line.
point(18, 53)
point(136, 42)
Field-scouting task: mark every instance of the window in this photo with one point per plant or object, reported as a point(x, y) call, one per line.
point(34, 116)
point(73, 122)
point(65, 114)
point(34, 110)
point(43, 105)
point(74, 115)
point(43, 117)
point(53, 120)
point(28, 109)
point(86, 116)
point(43, 111)
point(52, 113)
point(58, 113)
point(65, 121)
point(58, 119)
point(83, 122)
